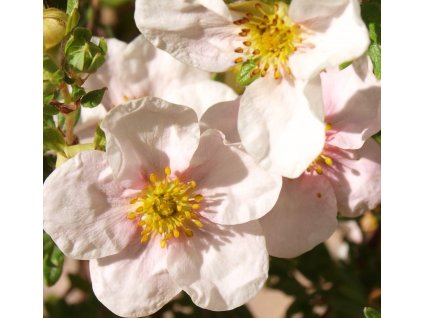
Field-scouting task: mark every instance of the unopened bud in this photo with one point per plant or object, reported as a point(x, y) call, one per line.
point(54, 27)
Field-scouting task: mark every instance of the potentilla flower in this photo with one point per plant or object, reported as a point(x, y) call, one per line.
point(162, 210)
point(344, 177)
point(138, 69)
point(289, 46)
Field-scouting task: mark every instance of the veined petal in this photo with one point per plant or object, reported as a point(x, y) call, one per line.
point(356, 181)
point(235, 189)
point(303, 10)
point(281, 124)
point(220, 267)
point(335, 39)
point(223, 117)
point(194, 32)
point(134, 282)
point(91, 223)
point(147, 135)
point(352, 100)
point(304, 216)
point(201, 95)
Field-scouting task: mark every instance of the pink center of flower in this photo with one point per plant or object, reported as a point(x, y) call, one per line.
point(166, 207)
point(323, 159)
point(270, 37)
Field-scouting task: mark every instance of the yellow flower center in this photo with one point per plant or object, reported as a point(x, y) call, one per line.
point(166, 207)
point(322, 160)
point(270, 37)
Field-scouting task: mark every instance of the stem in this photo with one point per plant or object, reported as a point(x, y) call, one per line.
point(69, 118)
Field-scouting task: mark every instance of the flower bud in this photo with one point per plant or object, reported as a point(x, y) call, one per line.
point(54, 27)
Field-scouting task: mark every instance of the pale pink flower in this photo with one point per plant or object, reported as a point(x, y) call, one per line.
point(281, 112)
point(345, 177)
point(139, 69)
point(191, 200)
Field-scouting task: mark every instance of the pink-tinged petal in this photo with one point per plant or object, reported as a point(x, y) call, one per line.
point(220, 267)
point(201, 96)
point(235, 188)
point(147, 135)
point(336, 39)
point(194, 32)
point(281, 124)
point(85, 209)
point(303, 10)
point(352, 100)
point(304, 216)
point(356, 181)
point(89, 120)
point(223, 117)
point(135, 282)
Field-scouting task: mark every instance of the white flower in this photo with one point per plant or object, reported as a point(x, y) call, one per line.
point(163, 210)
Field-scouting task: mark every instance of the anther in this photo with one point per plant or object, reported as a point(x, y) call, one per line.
point(255, 72)
point(247, 43)
point(328, 126)
point(239, 50)
point(239, 60)
point(277, 74)
point(256, 52)
point(153, 178)
point(167, 171)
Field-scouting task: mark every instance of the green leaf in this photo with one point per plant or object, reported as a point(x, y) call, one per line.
point(72, 21)
point(77, 92)
point(99, 139)
point(53, 260)
point(50, 110)
point(48, 121)
point(93, 98)
point(375, 56)
point(344, 65)
point(53, 139)
point(371, 313)
point(82, 34)
point(244, 76)
point(378, 137)
point(102, 44)
point(72, 5)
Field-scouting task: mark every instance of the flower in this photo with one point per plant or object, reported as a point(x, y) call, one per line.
point(162, 210)
point(282, 111)
point(344, 177)
point(137, 70)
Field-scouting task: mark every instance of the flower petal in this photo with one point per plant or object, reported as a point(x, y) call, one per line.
point(356, 181)
point(89, 120)
point(134, 282)
point(281, 124)
point(220, 267)
point(85, 210)
point(194, 31)
point(303, 10)
point(235, 188)
point(352, 100)
point(304, 216)
point(146, 135)
point(201, 95)
point(335, 39)
point(223, 117)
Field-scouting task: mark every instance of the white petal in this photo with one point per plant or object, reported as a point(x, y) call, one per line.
point(337, 38)
point(85, 209)
point(223, 117)
point(304, 216)
point(352, 100)
point(281, 124)
point(192, 31)
point(235, 188)
point(134, 282)
point(88, 122)
point(303, 10)
point(201, 95)
point(220, 267)
point(146, 135)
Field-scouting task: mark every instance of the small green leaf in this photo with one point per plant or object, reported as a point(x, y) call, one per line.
point(371, 313)
point(102, 44)
point(50, 110)
point(48, 121)
point(72, 21)
point(77, 92)
point(344, 65)
point(244, 76)
point(53, 260)
point(53, 139)
point(378, 137)
point(99, 139)
point(375, 56)
point(82, 34)
point(72, 5)
point(93, 98)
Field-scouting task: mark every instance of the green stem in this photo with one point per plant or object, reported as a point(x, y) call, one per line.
point(69, 118)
